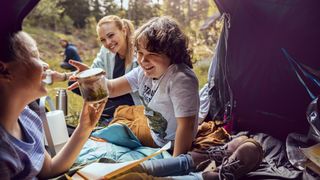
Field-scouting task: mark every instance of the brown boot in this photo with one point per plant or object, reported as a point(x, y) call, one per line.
point(246, 158)
point(216, 153)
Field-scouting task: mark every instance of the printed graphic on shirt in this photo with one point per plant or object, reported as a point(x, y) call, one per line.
point(148, 93)
point(158, 124)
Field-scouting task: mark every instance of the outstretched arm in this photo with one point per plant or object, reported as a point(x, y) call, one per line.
point(116, 87)
point(64, 76)
point(65, 158)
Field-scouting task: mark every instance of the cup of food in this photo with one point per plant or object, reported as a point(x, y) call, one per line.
point(93, 85)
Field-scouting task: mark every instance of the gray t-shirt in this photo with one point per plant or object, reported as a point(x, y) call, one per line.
point(173, 95)
point(22, 159)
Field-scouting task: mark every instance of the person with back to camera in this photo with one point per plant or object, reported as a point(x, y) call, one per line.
point(22, 151)
point(165, 82)
point(116, 58)
point(70, 52)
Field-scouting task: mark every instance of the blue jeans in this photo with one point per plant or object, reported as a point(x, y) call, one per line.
point(179, 168)
point(66, 65)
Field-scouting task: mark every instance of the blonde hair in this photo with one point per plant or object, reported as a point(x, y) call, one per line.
point(128, 27)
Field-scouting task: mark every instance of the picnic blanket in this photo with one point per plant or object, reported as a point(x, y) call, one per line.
point(115, 142)
point(128, 138)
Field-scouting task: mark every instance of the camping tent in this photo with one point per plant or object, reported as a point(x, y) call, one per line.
point(268, 59)
point(12, 14)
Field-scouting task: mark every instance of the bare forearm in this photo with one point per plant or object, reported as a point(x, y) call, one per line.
point(60, 77)
point(182, 143)
point(118, 87)
point(71, 150)
point(68, 154)
point(89, 117)
point(184, 135)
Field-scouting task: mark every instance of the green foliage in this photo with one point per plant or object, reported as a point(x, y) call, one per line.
point(95, 9)
point(191, 14)
point(100, 8)
point(201, 69)
point(212, 8)
point(139, 11)
point(47, 13)
point(175, 9)
point(64, 15)
point(77, 10)
point(186, 12)
point(109, 7)
point(54, 19)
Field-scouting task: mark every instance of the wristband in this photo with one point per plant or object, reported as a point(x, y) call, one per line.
point(65, 76)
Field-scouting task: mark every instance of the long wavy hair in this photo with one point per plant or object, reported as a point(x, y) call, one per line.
point(129, 28)
point(163, 35)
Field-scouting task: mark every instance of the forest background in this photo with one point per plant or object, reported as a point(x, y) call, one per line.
point(75, 20)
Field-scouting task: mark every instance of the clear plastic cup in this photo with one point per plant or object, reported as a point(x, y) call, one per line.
point(48, 79)
point(93, 85)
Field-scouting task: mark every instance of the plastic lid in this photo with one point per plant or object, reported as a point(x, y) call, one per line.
point(90, 72)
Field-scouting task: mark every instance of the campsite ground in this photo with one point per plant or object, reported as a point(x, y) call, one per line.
point(52, 53)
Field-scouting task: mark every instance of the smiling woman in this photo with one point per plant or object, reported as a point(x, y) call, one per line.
point(115, 34)
point(116, 58)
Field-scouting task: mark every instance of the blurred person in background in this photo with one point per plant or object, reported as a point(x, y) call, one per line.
point(70, 52)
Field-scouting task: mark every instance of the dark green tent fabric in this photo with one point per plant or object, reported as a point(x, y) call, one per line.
point(12, 14)
point(265, 91)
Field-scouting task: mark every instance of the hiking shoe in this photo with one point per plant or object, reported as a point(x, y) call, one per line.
point(225, 171)
point(216, 153)
point(202, 160)
point(246, 158)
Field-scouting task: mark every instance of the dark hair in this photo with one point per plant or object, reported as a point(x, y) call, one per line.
point(163, 35)
point(64, 40)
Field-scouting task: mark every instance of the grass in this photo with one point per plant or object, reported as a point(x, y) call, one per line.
point(51, 52)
